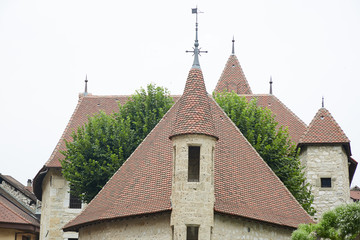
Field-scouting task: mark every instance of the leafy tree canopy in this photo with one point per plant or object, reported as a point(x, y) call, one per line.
point(342, 223)
point(273, 144)
point(101, 146)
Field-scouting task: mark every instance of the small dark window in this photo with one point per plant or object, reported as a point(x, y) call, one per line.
point(194, 164)
point(75, 201)
point(326, 182)
point(26, 238)
point(192, 232)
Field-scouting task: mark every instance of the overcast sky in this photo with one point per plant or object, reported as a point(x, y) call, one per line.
point(310, 47)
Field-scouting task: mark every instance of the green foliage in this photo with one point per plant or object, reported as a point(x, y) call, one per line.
point(145, 109)
point(102, 145)
point(342, 223)
point(305, 232)
point(273, 144)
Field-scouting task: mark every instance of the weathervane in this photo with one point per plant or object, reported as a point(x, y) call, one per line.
point(196, 50)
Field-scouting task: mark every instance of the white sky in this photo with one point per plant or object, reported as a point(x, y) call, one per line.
point(311, 49)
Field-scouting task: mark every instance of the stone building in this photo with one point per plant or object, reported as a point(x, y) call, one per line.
point(58, 206)
point(18, 207)
point(195, 176)
point(325, 153)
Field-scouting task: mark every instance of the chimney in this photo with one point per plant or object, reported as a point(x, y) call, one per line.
point(29, 183)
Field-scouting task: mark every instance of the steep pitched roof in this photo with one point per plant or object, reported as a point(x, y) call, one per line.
point(244, 184)
point(88, 105)
point(194, 115)
point(13, 216)
point(283, 115)
point(233, 78)
point(324, 129)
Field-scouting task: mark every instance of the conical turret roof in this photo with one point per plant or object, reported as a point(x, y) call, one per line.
point(324, 129)
point(194, 112)
point(233, 78)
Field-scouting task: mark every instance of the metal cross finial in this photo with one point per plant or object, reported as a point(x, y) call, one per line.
point(196, 50)
point(322, 102)
point(86, 81)
point(271, 82)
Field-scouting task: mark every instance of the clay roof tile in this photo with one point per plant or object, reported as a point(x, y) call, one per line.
point(324, 129)
point(193, 115)
point(233, 78)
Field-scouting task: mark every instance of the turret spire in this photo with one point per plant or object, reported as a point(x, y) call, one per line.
point(86, 81)
point(196, 51)
point(233, 47)
point(271, 82)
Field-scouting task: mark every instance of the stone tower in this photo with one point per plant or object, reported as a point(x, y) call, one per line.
point(325, 153)
point(193, 138)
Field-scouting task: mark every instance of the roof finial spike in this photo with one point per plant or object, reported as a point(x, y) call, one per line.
point(322, 102)
point(86, 81)
point(196, 51)
point(233, 47)
point(271, 82)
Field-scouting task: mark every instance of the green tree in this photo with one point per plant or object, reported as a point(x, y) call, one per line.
point(273, 144)
point(102, 145)
point(342, 223)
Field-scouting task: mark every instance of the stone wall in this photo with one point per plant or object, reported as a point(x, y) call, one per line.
point(157, 227)
point(233, 228)
point(154, 227)
point(22, 198)
point(327, 162)
point(193, 202)
point(55, 211)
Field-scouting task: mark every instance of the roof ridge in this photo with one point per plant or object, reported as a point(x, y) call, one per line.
point(291, 112)
point(57, 147)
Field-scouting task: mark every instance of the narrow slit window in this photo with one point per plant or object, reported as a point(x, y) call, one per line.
point(194, 164)
point(192, 232)
point(326, 182)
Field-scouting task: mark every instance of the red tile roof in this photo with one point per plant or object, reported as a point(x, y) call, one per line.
point(193, 115)
point(244, 184)
point(15, 217)
point(87, 106)
point(324, 129)
point(233, 78)
point(283, 115)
